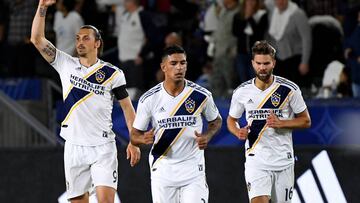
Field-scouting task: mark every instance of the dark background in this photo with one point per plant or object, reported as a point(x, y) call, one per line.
point(37, 175)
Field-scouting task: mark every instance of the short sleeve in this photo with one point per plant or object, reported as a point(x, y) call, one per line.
point(236, 107)
point(210, 110)
point(143, 115)
point(119, 79)
point(297, 102)
point(61, 59)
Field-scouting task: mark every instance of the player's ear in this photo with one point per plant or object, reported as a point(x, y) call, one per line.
point(97, 43)
point(162, 66)
point(274, 61)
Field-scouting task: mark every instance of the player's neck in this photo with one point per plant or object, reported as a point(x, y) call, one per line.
point(174, 88)
point(88, 62)
point(263, 85)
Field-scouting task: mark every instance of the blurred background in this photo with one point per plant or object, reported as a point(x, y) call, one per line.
point(319, 49)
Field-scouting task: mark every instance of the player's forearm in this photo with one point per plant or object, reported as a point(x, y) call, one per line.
point(301, 120)
point(213, 127)
point(38, 25)
point(232, 125)
point(129, 112)
point(136, 137)
point(296, 123)
point(46, 48)
point(129, 120)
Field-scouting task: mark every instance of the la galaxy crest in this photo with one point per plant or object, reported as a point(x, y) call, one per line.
point(100, 76)
point(190, 105)
point(275, 99)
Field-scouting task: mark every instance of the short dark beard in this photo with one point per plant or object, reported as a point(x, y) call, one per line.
point(264, 78)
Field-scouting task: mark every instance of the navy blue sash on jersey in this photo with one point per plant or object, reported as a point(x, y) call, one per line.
point(76, 94)
point(274, 102)
point(169, 135)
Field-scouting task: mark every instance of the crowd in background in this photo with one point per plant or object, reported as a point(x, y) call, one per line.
point(317, 42)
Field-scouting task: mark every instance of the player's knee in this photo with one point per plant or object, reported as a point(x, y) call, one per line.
point(105, 194)
point(260, 199)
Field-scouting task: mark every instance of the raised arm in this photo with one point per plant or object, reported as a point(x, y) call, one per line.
point(45, 47)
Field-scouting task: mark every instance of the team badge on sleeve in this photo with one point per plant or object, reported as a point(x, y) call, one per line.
point(100, 76)
point(275, 99)
point(190, 105)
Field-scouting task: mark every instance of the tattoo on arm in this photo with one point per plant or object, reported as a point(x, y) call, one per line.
point(49, 50)
point(42, 11)
point(214, 127)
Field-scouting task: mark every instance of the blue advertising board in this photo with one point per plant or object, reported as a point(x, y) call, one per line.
point(334, 122)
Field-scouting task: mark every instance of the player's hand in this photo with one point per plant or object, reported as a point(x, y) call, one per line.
point(133, 153)
point(201, 140)
point(149, 136)
point(273, 121)
point(243, 133)
point(47, 3)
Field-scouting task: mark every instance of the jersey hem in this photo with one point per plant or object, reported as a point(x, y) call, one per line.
point(177, 183)
point(268, 168)
point(88, 144)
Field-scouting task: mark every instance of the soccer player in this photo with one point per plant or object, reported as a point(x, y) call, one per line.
point(89, 86)
point(174, 109)
point(273, 107)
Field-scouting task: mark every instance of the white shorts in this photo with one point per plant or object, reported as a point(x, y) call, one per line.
point(196, 191)
point(89, 166)
point(278, 185)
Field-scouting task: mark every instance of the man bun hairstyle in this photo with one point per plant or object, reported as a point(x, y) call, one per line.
point(97, 34)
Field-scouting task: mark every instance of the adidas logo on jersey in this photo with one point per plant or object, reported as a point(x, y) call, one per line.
point(250, 101)
point(162, 109)
point(321, 186)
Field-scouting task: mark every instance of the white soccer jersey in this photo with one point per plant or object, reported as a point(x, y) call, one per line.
point(175, 159)
point(268, 148)
point(88, 99)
